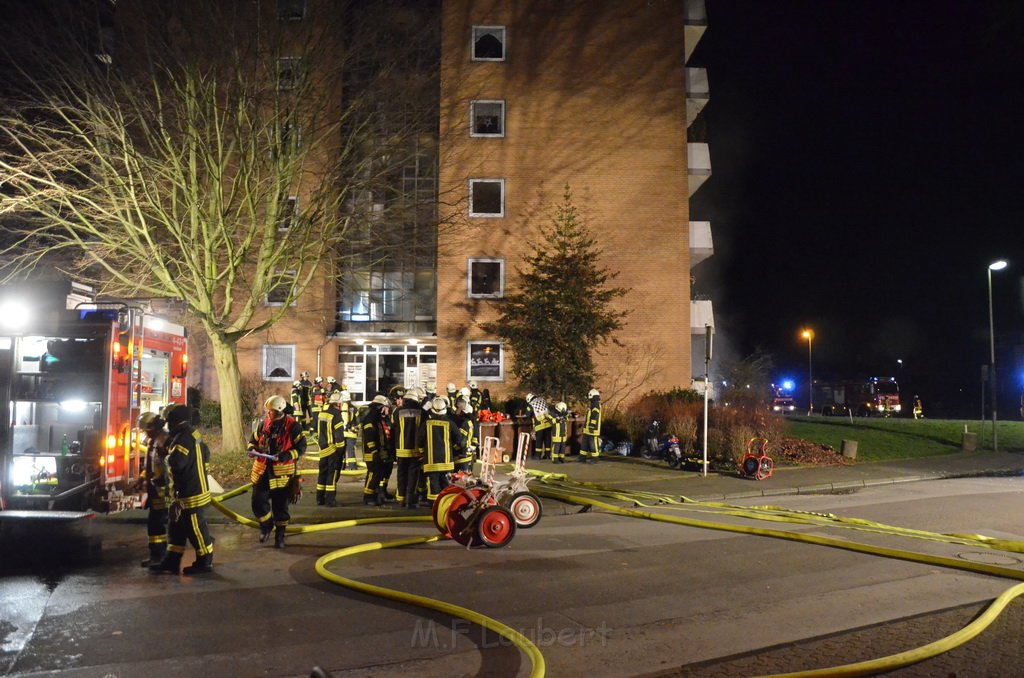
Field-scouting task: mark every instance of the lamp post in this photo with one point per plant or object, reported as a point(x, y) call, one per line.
point(994, 266)
point(808, 334)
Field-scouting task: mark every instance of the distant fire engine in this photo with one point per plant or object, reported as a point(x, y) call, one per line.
point(72, 385)
point(871, 397)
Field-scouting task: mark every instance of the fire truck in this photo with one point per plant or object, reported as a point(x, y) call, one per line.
point(876, 396)
point(73, 382)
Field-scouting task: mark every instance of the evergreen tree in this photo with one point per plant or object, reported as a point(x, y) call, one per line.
point(561, 310)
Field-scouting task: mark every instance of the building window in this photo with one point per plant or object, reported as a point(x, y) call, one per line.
point(289, 70)
point(288, 210)
point(278, 362)
point(488, 43)
point(282, 289)
point(486, 278)
point(486, 197)
point(486, 361)
point(291, 10)
point(487, 119)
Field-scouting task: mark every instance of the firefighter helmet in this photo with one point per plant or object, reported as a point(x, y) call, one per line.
point(472, 384)
point(381, 400)
point(275, 403)
point(438, 405)
point(304, 375)
point(150, 421)
point(529, 398)
point(464, 406)
point(430, 387)
point(561, 407)
point(318, 380)
point(464, 391)
point(177, 416)
point(296, 383)
point(332, 380)
point(594, 393)
point(451, 387)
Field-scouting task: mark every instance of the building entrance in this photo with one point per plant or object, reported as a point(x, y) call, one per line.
point(368, 369)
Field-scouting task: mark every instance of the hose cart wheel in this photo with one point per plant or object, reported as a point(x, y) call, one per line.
point(526, 509)
point(495, 527)
point(441, 506)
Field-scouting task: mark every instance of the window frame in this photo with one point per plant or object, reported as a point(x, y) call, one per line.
point(285, 7)
point(296, 72)
point(477, 376)
point(289, 213)
point(265, 373)
point(472, 119)
point(281, 274)
point(473, 38)
point(500, 294)
point(487, 215)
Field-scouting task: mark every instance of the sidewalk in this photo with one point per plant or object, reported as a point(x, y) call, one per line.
point(653, 476)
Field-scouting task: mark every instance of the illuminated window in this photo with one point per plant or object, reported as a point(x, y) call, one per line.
point(486, 361)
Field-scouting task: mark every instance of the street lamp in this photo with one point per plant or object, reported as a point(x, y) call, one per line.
point(808, 334)
point(994, 266)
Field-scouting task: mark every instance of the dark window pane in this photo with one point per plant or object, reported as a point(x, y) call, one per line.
point(485, 277)
point(486, 197)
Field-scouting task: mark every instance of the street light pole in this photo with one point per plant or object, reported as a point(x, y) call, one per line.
point(808, 334)
point(994, 266)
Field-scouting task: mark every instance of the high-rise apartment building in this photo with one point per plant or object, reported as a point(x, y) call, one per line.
point(532, 96)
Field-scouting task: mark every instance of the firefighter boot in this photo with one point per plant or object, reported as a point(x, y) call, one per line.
point(265, 529)
point(202, 565)
point(319, 497)
point(279, 537)
point(331, 500)
point(382, 496)
point(156, 554)
point(171, 563)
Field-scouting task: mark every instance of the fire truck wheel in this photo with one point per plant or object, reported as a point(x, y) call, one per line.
point(441, 506)
point(526, 508)
point(496, 527)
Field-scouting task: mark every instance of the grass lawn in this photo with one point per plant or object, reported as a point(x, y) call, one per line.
point(882, 439)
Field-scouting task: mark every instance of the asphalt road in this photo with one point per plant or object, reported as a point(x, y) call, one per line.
point(600, 594)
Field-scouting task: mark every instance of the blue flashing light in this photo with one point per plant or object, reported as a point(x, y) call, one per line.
point(787, 385)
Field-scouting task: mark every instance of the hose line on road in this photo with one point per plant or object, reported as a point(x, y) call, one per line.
point(515, 637)
point(559, 487)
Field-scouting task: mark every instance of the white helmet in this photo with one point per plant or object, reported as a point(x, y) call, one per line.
point(381, 400)
point(275, 403)
point(304, 375)
point(335, 397)
point(345, 396)
point(529, 397)
point(561, 406)
point(464, 406)
point(431, 387)
point(472, 384)
point(296, 383)
point(416, 393)
point(318, 380)
point(451, 387)
point(593, 393)
point(332, 380)
point(464, 391)
point(439, 406)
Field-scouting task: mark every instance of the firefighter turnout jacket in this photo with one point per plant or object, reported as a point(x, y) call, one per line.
point(282, 437)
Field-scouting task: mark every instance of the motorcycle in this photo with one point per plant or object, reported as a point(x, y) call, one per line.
point(667, 448)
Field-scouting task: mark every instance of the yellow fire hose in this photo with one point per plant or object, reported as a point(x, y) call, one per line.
point(558, 486)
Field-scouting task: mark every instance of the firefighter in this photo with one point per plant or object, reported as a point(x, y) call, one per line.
point(376, 449)
point(154, 479)
point(559, 433)
point(306, 400)
point(918, 408)
point(333, 387)
point(439, 440)
point(452, 393)
point(318, 396)
point(429, 393)
point(465, 421)
point(186, 460)
point(295, 400)
point(590, 447)
point(283, 440)
point(330, 436)
point(350, 423)
point(405, 430)
point(542, 423)
point(476, 396)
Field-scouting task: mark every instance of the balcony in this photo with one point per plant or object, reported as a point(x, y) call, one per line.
point(698, 164)
point(696, 22)
point(697, 93)
point(701, 244)
point(701, 314)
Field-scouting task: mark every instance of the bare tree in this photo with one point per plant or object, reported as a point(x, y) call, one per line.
point(219, 154)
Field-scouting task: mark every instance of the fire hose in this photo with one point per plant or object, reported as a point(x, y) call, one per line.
point(589, 495)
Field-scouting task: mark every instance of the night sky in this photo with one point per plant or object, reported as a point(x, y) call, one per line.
point(867, 166)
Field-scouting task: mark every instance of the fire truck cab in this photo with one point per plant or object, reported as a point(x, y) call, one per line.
point(73, 382)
